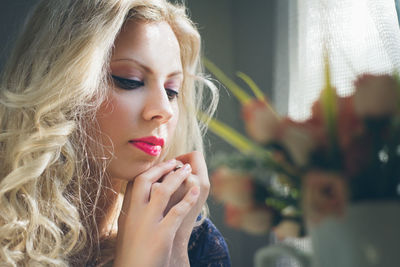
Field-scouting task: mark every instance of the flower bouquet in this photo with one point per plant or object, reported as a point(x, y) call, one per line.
point(290, 172)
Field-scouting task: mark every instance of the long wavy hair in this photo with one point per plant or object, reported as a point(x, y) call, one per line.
point(51, 87)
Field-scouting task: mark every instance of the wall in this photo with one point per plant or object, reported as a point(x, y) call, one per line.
point(12, 17)
point(237, 36)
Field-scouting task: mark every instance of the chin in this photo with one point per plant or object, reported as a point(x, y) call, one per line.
point(130, 171)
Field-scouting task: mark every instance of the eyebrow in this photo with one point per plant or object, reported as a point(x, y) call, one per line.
point(175, 73)
point(147, 69)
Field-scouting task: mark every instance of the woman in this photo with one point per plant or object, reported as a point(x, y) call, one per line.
point(101, 98)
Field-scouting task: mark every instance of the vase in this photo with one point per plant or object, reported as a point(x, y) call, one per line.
point(368, 235)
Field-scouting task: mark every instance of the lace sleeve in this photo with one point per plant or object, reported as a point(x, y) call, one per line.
point(207, 247)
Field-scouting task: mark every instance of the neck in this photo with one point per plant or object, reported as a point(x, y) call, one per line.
point(110, 203)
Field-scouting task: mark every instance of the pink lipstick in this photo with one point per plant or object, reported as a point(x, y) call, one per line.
point(151, 145)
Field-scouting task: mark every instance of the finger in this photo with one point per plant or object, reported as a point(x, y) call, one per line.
point(177, 213)
point(162, 193)
point(180, 193)
point(142, 183)
point(196, 160)
point(154, 187)
point(199, 166)
point(126, 203)
point(178, 166)
point(190, 182)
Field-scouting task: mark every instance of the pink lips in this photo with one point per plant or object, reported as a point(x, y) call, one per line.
point(151, 145)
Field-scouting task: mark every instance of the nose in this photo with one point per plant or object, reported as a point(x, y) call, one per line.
point(157, 106)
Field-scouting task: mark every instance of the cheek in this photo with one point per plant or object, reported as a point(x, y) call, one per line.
point(115, 115)
point(106, 117)
point(172, 124)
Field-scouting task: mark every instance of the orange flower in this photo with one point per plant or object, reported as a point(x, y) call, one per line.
point(298, 141)
point(232, 187)
point(254, 220)
point(349, 128)
point(375, 95)
point(261, 122)
point(324, 194)
point(352, 140)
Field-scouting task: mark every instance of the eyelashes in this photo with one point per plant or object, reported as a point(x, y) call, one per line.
point(128, 84)
point(172, 94)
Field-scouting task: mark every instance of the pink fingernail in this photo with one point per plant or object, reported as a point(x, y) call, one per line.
point(187, 167)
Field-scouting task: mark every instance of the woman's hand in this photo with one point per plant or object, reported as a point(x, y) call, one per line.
point(198, 178)
point(145, 235)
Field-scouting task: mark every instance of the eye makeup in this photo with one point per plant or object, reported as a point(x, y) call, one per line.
point(172, 94)
point(172, 87)
point(127, 84)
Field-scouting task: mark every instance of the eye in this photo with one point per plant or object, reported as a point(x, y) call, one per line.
point(126, 84)
point(172, 94)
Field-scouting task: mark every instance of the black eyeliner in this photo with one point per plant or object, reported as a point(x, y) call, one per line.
point(127, 84)
point(171, 93)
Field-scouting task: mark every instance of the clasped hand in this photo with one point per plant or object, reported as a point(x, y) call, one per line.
point(159, 211)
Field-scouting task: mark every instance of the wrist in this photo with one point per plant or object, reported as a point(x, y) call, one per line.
point(179, 252)
point(179, 257)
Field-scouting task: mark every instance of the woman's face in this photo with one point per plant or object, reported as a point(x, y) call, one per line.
point(139, 118)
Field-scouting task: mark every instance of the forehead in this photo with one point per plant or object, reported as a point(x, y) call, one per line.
point(151, 42)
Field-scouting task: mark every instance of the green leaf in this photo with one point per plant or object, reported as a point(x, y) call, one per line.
point(330, 109)
point(236, 90)
point(253, 86)
point(234, 138)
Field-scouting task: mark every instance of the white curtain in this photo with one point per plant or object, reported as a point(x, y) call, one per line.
point(361, 36)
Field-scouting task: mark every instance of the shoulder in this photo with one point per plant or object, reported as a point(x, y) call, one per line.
point(207, 247)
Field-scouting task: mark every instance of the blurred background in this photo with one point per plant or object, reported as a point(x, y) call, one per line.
point(249, 36)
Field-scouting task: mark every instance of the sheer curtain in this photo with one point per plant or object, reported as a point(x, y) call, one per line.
point(361, 36)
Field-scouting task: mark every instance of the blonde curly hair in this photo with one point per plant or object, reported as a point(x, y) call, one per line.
point(51, 87)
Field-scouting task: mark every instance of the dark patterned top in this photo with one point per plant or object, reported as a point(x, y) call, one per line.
point(207, 247)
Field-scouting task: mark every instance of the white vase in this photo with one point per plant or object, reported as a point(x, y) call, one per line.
point(367, 236)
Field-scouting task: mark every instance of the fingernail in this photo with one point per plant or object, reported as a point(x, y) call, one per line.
point(187, 167)
point(195, 191)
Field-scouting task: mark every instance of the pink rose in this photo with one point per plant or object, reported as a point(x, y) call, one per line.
point(254, 220)
point(348, 128)
point(375, 95)
point(298, 141)
point(229, 186)
point(261, 122)
point(324, 194)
